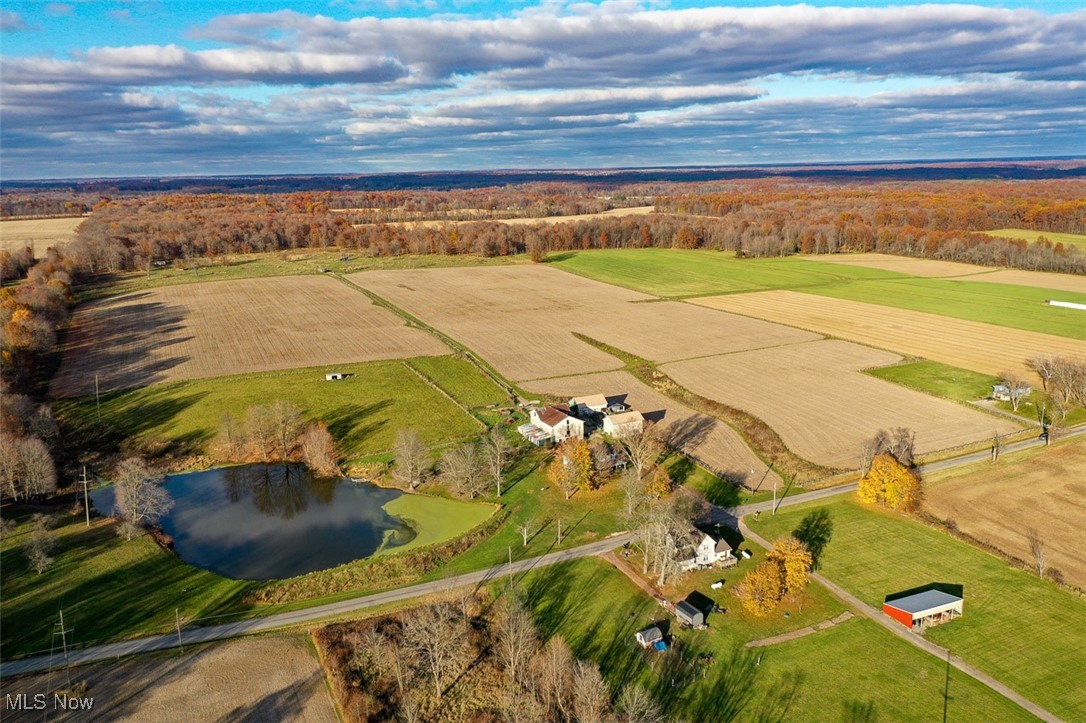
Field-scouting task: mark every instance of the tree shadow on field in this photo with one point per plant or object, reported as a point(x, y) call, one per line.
point(557, 258)
point(287, 703)
point(690, 432)
point(352, 423)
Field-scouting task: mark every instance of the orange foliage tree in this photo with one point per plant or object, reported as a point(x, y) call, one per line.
point(891, 484)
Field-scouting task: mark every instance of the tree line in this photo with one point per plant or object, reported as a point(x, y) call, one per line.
point(277, 432)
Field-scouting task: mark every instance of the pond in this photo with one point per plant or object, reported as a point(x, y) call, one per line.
point(261, 522)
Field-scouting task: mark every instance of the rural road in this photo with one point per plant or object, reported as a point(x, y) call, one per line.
point(254, 625)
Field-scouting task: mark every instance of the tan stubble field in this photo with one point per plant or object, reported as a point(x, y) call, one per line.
point(38, 233)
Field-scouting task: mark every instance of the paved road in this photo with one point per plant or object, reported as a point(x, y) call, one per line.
point(229, 630)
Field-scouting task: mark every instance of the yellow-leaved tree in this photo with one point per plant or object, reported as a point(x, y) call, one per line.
point(794, 560)
point(659, 483)
point(572, 468)
point(760, 590)
point(892, 484)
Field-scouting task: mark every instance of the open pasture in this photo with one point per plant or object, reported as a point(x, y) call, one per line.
point(815, 397)
point(1070, 239)
point(522, 318)
point(966, 344)
point(37, 233)
point(927, 268)
point(249, 325)
point(1043, 488)
point(714, 444)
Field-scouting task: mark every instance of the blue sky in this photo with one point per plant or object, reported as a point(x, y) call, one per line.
point(182, 88)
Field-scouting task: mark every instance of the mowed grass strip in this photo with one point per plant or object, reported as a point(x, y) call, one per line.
point(363, 412)
point(1025, 632)
point(852, 671)
point(461, 380)
point(942, 380)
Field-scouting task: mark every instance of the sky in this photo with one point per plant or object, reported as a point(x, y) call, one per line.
point(195, 87)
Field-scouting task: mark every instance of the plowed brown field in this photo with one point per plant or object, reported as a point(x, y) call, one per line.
point(1044, 489)
point(522, 319)
point(816, 398)
point(968, 344)
point(714, 444)
point(931, 268)
point(38, 233)
point(229, 327)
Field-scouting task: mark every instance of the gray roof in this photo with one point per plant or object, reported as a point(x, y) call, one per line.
point(650, 634)
point(686, 609)
point(924, 601)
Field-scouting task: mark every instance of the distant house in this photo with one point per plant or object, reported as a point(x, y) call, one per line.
point(556, 423)
point(1002, 393)
point(689, 615)
point(704, 550)
point(922, 610)
point(649, 636)
point(594, 403)
point(626, 423)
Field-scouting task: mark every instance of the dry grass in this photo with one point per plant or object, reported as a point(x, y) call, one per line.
point(967, 344)
point(273, 678)
point(229, 327)
point(548, 220)
point(716, 445)
point(39, 233)
point(1040, 279)
point(522, 319)
point(929, 268)
point(1043, 489)
point(814, 395)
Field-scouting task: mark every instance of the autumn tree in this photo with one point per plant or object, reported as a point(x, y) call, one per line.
point(762, 588)
point(260, 426)
point(900, 443)
point(26, 467)
point(286, 419)
point(412, 458)
point(230, 437)
point(319, 450)
point(572, 469)
point(890, 483)
point(659, 484)
point(794, 560)
point(139, 496)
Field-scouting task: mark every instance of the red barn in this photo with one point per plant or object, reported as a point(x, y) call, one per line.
point(924, 609)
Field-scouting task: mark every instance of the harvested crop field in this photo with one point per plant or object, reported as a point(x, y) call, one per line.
point(38, 233)
point(930, 268)
point(1059, 282)
point(1043, 489)
point(967, 344)
point(521, 319)
point(547, 220)
point(815, 396)
point(229, 327)
point(715, 445)
point(252, 679)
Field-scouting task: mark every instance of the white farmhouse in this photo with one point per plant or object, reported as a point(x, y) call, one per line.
point(707, 551)
point(557, 422)
point(625, 424)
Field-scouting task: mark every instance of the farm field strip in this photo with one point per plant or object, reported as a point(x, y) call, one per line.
point(1056, 282)
point(982, 501)
point(521, 319)
point(38, 233)
point(816, 398)
point(1074, 239)
point(713, 443)
point(926, 268)
point(216, 329)
point(966, 344)
point(547, 220)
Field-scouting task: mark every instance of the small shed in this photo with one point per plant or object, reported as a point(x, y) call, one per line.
point(623, 424)
point(335, 376)
point(689, 615)
point(593, 403)
point(923, 610)
point(648, 637)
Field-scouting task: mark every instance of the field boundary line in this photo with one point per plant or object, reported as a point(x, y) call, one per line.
point(441, 391)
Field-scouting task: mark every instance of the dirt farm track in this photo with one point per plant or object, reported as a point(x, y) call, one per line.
point(229, 327)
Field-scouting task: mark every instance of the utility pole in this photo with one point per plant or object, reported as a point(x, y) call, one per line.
point(177, 619)
point(63, 633)
point(86, 495)
point(559, 530)
point(774, 496)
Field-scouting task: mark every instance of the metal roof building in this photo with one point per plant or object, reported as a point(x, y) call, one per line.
point(924, 609)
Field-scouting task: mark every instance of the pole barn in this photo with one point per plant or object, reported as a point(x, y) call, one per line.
point(924, 609)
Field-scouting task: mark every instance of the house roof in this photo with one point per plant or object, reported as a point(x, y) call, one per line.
point(686, 609)
point(553, 415)
point(924, 603)
point(722, 545)
point(625, 418)
point(592, 400)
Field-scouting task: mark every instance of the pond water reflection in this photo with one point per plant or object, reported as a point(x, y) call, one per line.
point(260, 521)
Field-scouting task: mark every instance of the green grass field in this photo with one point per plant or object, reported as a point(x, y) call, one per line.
point(682, 274)
point(1025, 632)
point(435, 519)
point(461, 380)
point(942, 380)
point(363, 413)
point(853, 668)
point(1070, 239)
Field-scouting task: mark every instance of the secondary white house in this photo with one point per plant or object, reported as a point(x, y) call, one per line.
point(594, 402)
point(556, 423)
point(707, 551)
point(620, 425)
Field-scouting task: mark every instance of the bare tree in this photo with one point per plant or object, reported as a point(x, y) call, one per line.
point(465, 468)
point(39, 544)
point(287, 421)
point(1016, 387)
point(642, 447)
point(1042, 365)
point(439, 640)
point(498, 453)
point(525, 529)
point(1037, 549)
point(552, 672)
point(260, 426)
point(591, 697)
point(633, 489)
point(230, 436)
point(899, 442)
point(635, 705)
point(412, 458)
point(140, 497)
point(517, 639)
point(319, 450)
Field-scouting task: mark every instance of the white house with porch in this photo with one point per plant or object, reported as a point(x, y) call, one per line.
point(556, 423)
point(707, 551)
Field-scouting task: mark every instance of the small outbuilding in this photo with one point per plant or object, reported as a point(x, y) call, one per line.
point(623, 424)
point(648, 637)
point(592, 404)
point(923, 610)
point(335, 376)
point(689, 615)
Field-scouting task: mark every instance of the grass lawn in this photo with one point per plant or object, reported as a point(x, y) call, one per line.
point(685, 473)
point(942, 380)
point(681, 274)
point(1071, 239)
point(107, 587)
point(854, 666)
point(1025, 632)
point(435, 519)
point(461, 380)
point(363, 412)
